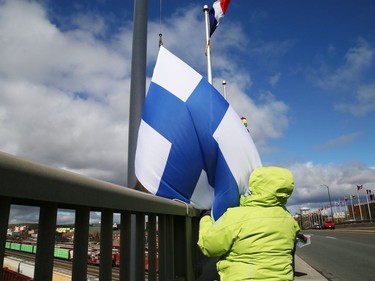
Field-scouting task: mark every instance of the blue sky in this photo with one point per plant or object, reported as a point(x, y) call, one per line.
point(302, 72)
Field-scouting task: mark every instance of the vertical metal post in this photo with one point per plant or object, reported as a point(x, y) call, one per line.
point(140, 246)
point(351, 203)
point(225, 89)
point(166, 248)
point(359, 206)
point(208, 44)
point(189, 246)
point(330, 202)
point(138, 82)
point(81, 234)
point(137, 98)
point(4, 218)
point(368, 205)
point(46, 242)
point(152, 248)
point(105, 266)
point(125, 245)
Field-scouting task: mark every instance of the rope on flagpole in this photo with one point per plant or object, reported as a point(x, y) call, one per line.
point(160, 25)
point(182, 202)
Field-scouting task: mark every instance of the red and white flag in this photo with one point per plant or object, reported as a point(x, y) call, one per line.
point(359, 186)
point(368, 191)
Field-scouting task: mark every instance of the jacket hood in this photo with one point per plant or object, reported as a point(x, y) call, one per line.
point(269, 186)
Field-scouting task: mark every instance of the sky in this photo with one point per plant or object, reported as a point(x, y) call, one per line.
point(301, 72)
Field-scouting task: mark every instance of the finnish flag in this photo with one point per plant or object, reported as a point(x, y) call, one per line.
point(192, 146)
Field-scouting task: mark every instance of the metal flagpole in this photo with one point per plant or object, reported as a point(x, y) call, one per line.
point(225, 89)
point(351, 203)
point(208, 44)
point(137, 97)
point(346, 206)
point(359, 206)
point(368, 204)
point(335, 207)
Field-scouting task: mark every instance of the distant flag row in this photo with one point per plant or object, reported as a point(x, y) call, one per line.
point(352, 196)
point(217, 13)
point(359, 187)
point(368, 191)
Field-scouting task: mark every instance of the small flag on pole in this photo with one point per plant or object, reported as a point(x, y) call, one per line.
point(216, 13)
point(368, 191)
point(359, 186)
point(192, 146)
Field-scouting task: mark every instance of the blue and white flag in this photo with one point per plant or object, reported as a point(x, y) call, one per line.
point(192, 146)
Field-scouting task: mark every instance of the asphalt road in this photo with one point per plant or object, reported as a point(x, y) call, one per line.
point(341, 254)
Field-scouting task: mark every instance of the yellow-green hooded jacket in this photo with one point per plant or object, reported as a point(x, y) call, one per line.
point(254, 241)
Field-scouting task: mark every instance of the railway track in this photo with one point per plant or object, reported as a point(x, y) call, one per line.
point(62, 266)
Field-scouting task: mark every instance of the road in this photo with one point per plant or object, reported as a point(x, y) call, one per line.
point(341, 254)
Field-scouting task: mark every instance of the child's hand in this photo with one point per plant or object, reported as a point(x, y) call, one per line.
point(205, 213)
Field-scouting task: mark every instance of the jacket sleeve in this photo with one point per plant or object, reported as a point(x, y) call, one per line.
point(215, 238)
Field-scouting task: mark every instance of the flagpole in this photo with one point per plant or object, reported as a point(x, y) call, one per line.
point(346, 208)
point(208, 44)
point(359, 206)
point(335, 207)
point(351, 203)
point(225, 89)
point(368, 205)
point(137, 98)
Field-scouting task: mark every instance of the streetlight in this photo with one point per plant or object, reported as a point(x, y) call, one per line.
point(329, 197)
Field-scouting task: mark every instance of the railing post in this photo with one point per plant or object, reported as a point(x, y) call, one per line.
point(152, 250)
point(105, 268)
point(4, 218)
point(125, 241)
point(46, 242)
point(140, 246)
point(166, 248)
point(189, 249)
point(81, 233)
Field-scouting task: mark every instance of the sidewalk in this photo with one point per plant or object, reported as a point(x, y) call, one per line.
point(306, 272)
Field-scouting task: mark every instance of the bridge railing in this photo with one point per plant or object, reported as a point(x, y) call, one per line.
point(172, 227)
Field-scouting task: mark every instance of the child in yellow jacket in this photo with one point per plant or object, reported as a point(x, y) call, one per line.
point(254, 241)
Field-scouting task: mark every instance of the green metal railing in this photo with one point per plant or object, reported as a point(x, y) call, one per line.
point(172, 226)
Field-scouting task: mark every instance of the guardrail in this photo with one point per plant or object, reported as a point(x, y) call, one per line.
point(172, 226)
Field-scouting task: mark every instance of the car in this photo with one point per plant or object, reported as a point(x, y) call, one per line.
point(316, 226)
point(329, 225)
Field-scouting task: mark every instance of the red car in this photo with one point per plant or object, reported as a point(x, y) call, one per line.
point(329, 225)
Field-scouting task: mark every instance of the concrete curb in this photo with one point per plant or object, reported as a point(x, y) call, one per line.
point(306, 272)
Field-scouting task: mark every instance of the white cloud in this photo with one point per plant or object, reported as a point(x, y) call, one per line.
point(339, 141)
point(349, 80)
point(341, 180)
point(357, 60)
point(363, 101)
point(275, 79)
point(64, 94)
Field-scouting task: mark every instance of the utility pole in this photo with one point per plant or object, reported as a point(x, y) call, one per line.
point(330, 202)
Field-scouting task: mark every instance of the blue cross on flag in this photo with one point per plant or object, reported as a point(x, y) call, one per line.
point(192, 146)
